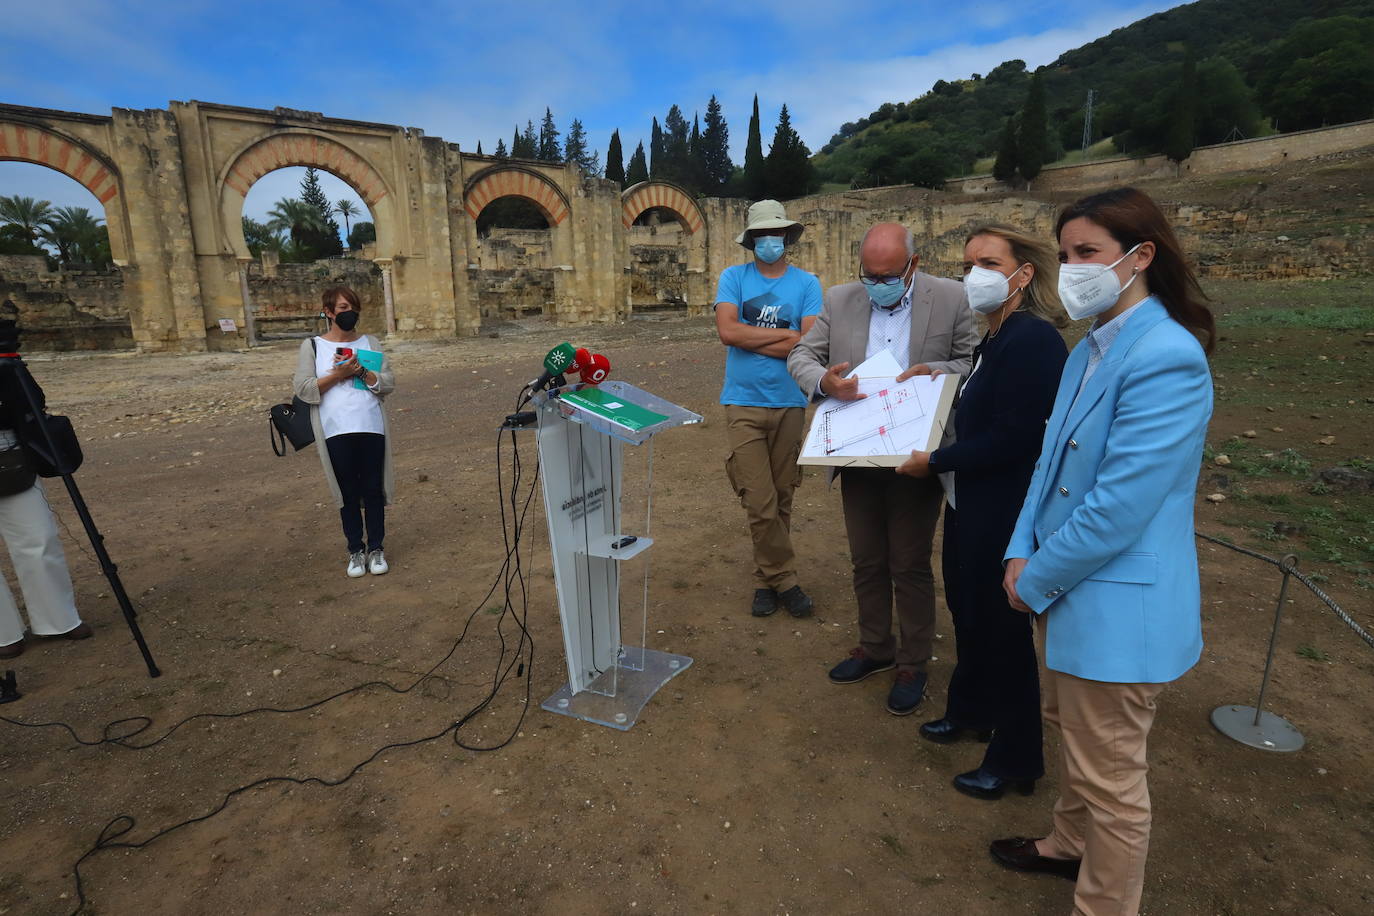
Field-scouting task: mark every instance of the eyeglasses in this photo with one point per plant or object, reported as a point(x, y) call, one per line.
point(872, 280)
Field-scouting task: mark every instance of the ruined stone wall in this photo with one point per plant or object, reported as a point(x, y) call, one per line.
point(66, 310)
point(658, 266)
point(508, 294)
point(286, 297)
point(515, 249)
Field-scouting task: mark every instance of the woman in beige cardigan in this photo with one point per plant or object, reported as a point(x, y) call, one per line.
point(350, 427)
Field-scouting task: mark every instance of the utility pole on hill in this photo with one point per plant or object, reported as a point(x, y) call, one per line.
point(1088, 122)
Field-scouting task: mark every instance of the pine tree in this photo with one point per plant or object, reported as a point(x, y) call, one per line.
point(716, 149)
point(615, 160)
point(529, 143)
point(656, 151)
point(788, 170)
point(1004, 168)
point(501, 150)
point(638, 169)
point(548, 150)
point(1182, 132)
point(1031, 143)
point(755, 179)
point(323, 242)
point(676, 164)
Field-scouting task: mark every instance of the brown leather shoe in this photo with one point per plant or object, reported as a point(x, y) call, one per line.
point(1019, 853)
point(13, 650)
point(80, 631)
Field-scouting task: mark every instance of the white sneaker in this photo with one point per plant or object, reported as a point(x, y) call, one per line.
point(376, 563)
point(357, 564)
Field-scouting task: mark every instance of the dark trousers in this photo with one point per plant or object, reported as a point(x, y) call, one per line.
point(359, 462)
point(890, 520)
point(996, 683)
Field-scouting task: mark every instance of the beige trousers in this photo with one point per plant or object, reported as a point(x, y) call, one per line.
point(1103, 812)
point(763, 472)
point(30, 533)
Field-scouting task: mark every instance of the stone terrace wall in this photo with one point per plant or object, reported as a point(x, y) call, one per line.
point(1205, 160)
point(504, 295)
point(286, 297)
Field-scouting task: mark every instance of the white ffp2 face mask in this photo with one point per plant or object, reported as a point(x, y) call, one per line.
point(987, 289)
point(1090, 289)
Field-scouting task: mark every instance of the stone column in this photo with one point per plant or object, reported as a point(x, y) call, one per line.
point(250, 325)
point(385, 265)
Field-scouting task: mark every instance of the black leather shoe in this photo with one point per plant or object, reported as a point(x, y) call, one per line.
point(857, 667)
point(981, 784)
point(765, 602)
point(943, 731)
point(1019, 853)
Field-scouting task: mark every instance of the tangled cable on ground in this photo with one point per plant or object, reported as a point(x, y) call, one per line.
point(511, 578)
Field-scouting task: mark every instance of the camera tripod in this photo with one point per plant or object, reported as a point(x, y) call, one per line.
point(34, 433)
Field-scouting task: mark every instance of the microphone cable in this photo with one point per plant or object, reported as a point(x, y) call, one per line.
point(511, 577)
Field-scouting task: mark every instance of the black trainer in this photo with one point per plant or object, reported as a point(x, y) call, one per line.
point(765, 602)
point(857, 667)
point(797, 602)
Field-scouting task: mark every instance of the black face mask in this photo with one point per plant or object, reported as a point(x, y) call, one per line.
point(346, 321)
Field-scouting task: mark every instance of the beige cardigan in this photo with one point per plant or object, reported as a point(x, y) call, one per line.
point(307, 388)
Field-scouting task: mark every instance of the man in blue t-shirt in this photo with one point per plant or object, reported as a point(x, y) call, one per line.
point(762, 309)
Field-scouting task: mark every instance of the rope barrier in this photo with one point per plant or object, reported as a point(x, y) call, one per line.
point(1312, 586)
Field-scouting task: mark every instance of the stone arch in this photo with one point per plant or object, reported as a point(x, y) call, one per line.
point(299, 147)
point(515, 181)
point(24, 142)
point(649, 194)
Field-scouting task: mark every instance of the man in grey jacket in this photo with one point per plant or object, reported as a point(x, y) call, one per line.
point(890, 519)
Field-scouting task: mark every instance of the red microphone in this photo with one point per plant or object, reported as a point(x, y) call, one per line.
point(596, 370)
point(581, 358)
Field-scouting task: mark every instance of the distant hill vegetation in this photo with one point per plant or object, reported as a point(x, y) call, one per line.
point(1197, 74)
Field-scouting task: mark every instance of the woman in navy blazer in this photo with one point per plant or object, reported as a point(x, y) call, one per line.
point(994, 691)
point(1103, 550)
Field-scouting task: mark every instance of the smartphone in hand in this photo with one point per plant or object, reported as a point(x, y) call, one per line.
point(342, 355)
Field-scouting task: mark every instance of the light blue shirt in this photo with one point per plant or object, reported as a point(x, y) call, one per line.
point(1101, 337)
point(754, 379)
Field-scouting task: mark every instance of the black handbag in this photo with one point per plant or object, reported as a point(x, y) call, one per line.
point(66, 458)
point(291, 423)
point(16, 471)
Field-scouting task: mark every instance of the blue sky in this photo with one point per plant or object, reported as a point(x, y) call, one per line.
point(470, 72)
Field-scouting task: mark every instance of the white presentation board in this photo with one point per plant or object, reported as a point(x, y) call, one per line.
point(885, 427)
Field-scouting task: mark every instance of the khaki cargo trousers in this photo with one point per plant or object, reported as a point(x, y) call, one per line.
point(763, 472)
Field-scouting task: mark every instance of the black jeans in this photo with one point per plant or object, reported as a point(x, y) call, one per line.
point(359, 462)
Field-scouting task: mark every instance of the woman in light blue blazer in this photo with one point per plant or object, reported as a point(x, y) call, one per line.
point(1103, 550)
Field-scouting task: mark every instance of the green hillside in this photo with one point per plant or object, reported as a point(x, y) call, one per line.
point(1197, 74)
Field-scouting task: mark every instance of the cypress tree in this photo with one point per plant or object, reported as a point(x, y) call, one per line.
point(1031, 143)
point(638, 169)
point(676, 164)
point(696, 157)
point(788, 170)
point(716, 149)
point(529, 143)
point(754, 178)
point(1182, 132)
point(615, 160)
point(1004, 168)
point(479, 147)
point(656, 151)
point(548, 150)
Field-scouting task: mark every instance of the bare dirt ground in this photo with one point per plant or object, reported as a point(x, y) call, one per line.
point(750, 785)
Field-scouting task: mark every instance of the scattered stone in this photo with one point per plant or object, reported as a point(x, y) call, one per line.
point(1277, 429)
point(1327, 440)
point(1249, 434)
point(1216, 497)
point(1222, 461)
point(276, 672)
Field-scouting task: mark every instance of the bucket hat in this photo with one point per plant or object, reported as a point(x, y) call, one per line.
point(769, 214)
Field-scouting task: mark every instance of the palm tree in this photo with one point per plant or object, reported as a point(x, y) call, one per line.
point(346, 208)
point(26, 213)
point(295, 216)
point(76, 234)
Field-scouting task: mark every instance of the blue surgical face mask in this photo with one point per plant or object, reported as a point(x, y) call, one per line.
point(768, 248)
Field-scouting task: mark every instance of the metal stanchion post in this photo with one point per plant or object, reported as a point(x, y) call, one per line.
point(1251, 724)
